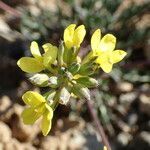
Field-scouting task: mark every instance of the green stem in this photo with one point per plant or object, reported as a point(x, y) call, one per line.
point(57, 96)
point(56, 101)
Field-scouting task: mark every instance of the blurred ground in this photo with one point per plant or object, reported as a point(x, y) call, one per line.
point(123, 98)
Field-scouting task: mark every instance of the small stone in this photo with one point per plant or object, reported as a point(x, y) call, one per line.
point(124, 138)
point(13, 144)
point(145, 104)
point(77, 141)
point(5, 106)
point(28, 146)
point(132, 119)
point(50, 142)
point(1, 146)
point(5, 103)
point(5, 109)
point(125, 87)
point(127, 98)
point(5, 132)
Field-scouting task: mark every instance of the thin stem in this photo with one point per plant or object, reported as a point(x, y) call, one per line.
point(56, 100)
point(9, 9)
point(98, 125)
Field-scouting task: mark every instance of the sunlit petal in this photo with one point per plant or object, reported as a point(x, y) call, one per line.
point(33, 98)
point(79, 35)
point(95, 40)
point(68, 35)
point(30, 65)
point(29, 115)
point(46, 122)
point(35, 50)
point(118, 55)
point(107, 43)
point(50, 54)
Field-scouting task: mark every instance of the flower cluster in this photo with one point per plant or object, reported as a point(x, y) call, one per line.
point(63, 71)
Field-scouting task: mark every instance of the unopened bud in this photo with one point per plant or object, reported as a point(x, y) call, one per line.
point(53, 82)
point(60, 54)
point(81, 91)
point(87, 82)
point(40, 80)
point(74, 68)
point(64, 96)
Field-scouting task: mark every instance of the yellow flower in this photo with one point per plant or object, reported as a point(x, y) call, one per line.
point(38, 62)
point(38, 107)
point(74, 37)
point(104, 49)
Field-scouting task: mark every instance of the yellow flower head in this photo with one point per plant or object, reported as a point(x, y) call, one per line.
point(74, 37)
point(38, 62)
point(104, 49)
point(37, 108)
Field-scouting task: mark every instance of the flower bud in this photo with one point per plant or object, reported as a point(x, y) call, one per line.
point(74, 68)
point(81, 91)
point(87, 82)
point(49, 96)
point(53, 82)
point(60, 54)
point(64, 96)
point(39, 80)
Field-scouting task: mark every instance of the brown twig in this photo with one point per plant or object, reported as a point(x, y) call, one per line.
point(98, 125)
point(9, 9)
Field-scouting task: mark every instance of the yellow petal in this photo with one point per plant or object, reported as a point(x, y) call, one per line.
point(118, 55)
point(79, 35)
point(30, 65)
point(106, 67)
point(95, 40)
point(104, 61)
point(50, 54)
point(47, 121)
point(29, 115)
point(107, 43)
point(33, 98)
point(68, 35)
point(35, 50)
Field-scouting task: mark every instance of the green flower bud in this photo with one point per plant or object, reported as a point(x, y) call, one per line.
point(53, 82)
point(60, 54)
point(86, 70)
point(69, 55)
point(74, 68)
point(81, 91)
point(49, 96)
point(64, 96)
point(40, 79)
point(87, 82)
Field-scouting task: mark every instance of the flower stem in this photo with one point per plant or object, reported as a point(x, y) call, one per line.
point(9, 9)
point(98, 125)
